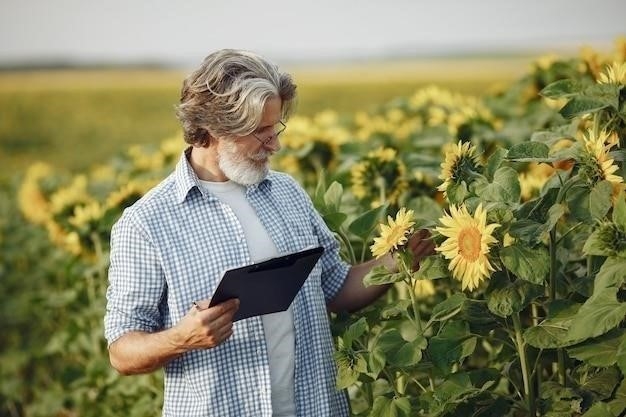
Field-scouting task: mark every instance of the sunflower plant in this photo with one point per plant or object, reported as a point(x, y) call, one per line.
point(526, 290)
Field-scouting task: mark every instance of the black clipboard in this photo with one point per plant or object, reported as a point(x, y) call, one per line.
point(268, 286)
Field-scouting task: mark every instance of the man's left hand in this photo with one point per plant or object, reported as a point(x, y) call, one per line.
point(420, 244)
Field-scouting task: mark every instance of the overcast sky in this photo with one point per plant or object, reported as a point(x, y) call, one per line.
point(184, 32)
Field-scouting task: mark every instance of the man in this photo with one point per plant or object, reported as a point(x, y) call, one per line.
point(223, 208)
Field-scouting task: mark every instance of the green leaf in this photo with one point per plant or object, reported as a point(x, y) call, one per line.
point(618, 405)
point(457, 193)
point(529, 151)
point(599, 409)
point(356, 330)
point(334, 220)
point(620, 356)
point(600, 352)
point(608, 94)
point(595, 246)
point(552, 332)
point(389, 341)
point(578, 106)
point(555, 213)
point(432, 267)
point(391, 407)
point(448, 308)
point(380, 275)
point(611, 274)
point(578, 202)
point(456, 389)
point(320, 190)
point(530, 264)
point(376, 360)
point(504, 188)
point(365, 224)
point(494, 162)
point(512, 298)
point(410, 353)
point(425, 208)
point(526, 230)
point(560, 88)
point(602, 383)
point(332, 197)
point(619, 211)
point(397, 308)
point(600, 199)
point(599, 314)
point(451, 345)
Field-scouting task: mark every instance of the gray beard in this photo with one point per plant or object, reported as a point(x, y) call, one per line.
point(242, 170)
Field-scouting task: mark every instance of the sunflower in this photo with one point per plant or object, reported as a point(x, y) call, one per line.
point(394, 234)
point(467, 245)
point(459, 160)
point(614, 74)
point(596, 163)
point(379, 177)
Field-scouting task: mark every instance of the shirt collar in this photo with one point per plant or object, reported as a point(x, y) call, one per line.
point(186, 179)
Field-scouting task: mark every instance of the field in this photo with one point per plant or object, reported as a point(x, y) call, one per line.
point(515, 166)
point(73, 119)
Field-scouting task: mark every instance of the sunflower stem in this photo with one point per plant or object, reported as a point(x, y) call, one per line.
point(416, 314)
point(410, 281)
point(521, 349)
point(559, 352)
point(349, 247)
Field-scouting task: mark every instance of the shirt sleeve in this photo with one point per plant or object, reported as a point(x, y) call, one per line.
point(334, 268)
point(136, 283)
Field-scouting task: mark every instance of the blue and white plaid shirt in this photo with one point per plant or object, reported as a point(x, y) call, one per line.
point(170, 249)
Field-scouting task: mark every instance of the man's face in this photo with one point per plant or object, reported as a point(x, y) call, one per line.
point(245, 160)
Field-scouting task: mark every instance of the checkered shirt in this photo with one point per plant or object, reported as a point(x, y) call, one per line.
point(170, 249)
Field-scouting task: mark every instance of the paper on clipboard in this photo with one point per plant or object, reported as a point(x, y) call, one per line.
point(268, 286)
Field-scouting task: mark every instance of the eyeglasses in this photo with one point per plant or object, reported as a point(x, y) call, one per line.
point(266, 134)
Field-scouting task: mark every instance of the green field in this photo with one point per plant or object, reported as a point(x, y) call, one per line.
point(73, 119)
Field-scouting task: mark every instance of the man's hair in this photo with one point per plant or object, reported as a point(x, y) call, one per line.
point(225, 97)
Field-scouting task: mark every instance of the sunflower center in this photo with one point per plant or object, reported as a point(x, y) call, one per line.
point(469, 243)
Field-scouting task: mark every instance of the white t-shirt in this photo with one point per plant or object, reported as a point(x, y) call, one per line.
point(278, 327)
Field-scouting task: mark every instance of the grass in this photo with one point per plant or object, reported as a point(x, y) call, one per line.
point(73, 119)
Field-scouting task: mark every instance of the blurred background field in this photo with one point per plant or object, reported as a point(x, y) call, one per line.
point(75, 118)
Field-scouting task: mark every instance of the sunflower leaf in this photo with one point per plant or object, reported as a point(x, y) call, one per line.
point(600, 352)
point(619, 211)
point(494, 162)
point(529, 151)
point(600, 199)
point(380, 275)
point(530, 264)
point(504, 188)
point(578, 106)
point(611, 274)
point(599, 314)
point(432, 267)
point(364, 225)
point(561, 88)
point(332, 196)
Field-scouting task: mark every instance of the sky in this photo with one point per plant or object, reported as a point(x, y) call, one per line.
point(184, 32)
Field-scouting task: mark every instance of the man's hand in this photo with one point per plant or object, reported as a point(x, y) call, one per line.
point(420, 244)
point(203, 327)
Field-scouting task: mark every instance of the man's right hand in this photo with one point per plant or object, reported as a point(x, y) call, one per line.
point(201, 328)
point(205, 327)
